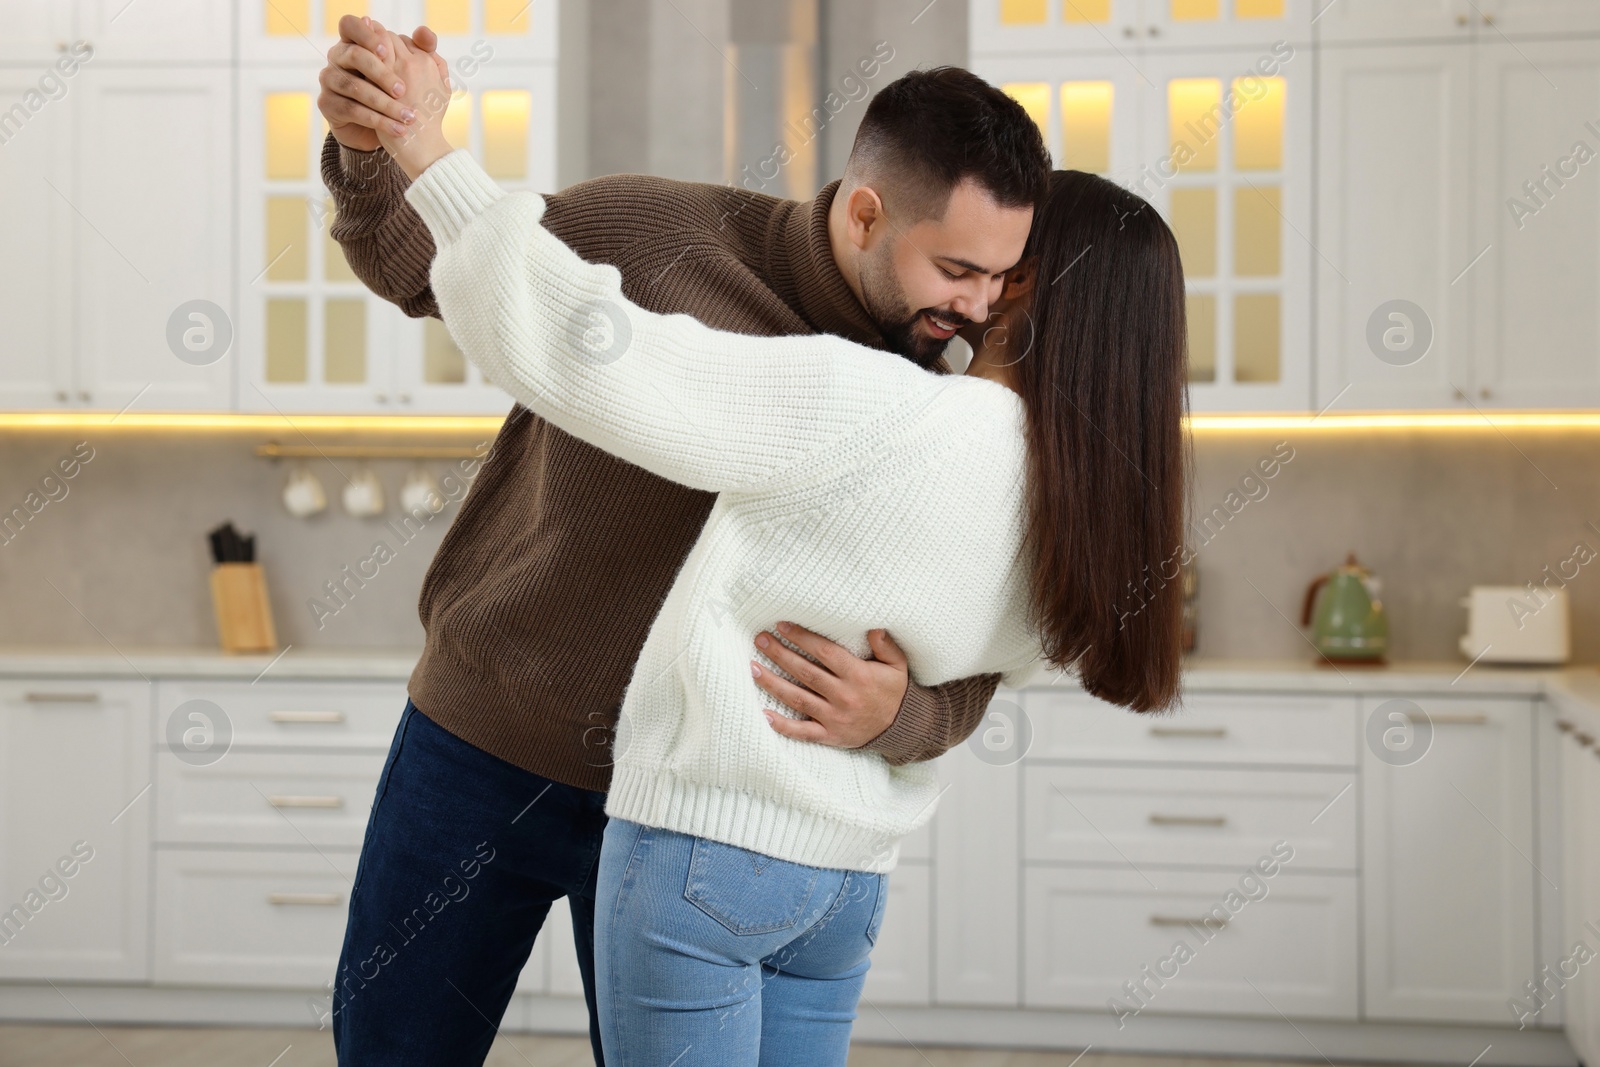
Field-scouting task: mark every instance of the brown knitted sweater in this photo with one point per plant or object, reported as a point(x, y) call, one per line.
point(544, 588)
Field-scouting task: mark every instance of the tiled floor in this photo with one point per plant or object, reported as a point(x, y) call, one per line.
point(138, 1046)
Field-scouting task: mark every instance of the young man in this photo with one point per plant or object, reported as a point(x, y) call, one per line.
point(491, 804)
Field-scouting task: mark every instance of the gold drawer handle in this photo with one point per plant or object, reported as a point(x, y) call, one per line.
point(1478, 719)
point(1207, 921)
point(289, 801)
point(1188, 820)
point(307, 716)
point(1564, 726)
point(61, 698)
point(315, 899)
point(1188, 731)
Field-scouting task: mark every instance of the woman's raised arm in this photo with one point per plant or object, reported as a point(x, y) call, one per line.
point(711, 410)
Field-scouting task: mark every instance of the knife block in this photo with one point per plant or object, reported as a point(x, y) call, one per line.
point(244, 615)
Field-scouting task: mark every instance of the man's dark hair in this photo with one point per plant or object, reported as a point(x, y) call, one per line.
point(929, 130)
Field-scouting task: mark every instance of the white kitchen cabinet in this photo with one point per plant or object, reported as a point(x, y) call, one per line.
point(75, 816)
point(152, 195)
point(313, 338)
point(35, 245)
point(186, 32)
point(1580, 898)
point(34, 33)
point(1448, 871)
point(1536, 292)
point(977, 832)
point(1520, 18)
point(1391, 20)
point(294, 32)
point(267, 798)
point(1187, 816)
point(490, 31)
point(1130, 26)
point(902, 954)
point(1219, 141)
point(1395, 201)
point(1435, 290)
point(1107, 940)
point(1249, 729)
point(257, 919)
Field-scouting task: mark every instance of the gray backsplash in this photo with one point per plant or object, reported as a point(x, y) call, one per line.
point(121, 559)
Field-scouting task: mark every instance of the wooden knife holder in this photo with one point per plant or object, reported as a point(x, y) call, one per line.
point(244, 615)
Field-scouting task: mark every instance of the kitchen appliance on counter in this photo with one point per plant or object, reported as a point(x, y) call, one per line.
point(1507, 624)
point(1348, 623)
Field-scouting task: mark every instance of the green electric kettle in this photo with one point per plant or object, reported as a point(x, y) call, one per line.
point(1350, 625)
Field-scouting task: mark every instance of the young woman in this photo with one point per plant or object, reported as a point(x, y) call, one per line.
point(742, 874)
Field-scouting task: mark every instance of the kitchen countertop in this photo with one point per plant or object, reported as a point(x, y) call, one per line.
point(1575, 690)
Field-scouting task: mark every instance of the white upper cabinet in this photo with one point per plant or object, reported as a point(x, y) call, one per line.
point(1537, 289)
point(186, 32)
point(1219, 140)
point(35, 251)
point(1118, 26)
point(34, 32)
point(1226, 144)
point(301, 31)
point(1449, 867)
point(1392, 20)
point(1544, 17)
point(313, 338)
point(152, 213)
point(1394, 288)
point(487, 31)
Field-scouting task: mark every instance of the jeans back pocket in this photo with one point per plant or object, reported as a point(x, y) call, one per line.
point(745, 891)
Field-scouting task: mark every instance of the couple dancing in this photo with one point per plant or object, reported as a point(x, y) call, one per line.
point(734, 410)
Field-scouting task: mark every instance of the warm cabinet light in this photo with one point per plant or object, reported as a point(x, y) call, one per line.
point(1086, 11)
point(1022, 12)
point(1086, 126)
point(1034, 98)
point(1488, 422)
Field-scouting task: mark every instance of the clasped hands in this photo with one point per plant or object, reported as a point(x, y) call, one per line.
point(386, 90)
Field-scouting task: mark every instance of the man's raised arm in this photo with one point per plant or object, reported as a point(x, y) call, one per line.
point(384, 240)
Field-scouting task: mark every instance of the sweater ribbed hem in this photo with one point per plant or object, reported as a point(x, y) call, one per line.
point(654, 797)
point(452, 192)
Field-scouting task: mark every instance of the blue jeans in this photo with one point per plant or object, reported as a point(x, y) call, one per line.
point(711, 955)
point(464, 855)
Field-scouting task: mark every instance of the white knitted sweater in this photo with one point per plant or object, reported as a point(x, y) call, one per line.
point(855, 491)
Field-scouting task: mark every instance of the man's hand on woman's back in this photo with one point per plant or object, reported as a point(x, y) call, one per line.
point(360, 92)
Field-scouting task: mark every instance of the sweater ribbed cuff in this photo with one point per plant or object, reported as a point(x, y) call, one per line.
point(916, 726)
point(452, 192)
point(356, 176)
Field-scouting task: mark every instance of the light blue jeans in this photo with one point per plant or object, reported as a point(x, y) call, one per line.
point(707, 955)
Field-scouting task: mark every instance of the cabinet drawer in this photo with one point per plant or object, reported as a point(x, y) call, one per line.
point(315, 714)
point(1250, 728)
point(1180, 815)
point(1092, 934)
point(267, 798)
point(250, 918)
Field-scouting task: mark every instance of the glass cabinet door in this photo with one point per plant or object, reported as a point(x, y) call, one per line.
point(1228, 163)
point(1229, 23)
point(301, 31)
point(312, 337)
point(487, 32)
point(1053, 26)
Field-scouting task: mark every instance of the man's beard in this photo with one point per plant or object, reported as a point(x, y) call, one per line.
point(886, 305)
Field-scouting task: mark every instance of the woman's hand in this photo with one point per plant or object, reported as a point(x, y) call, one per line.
point(427, 97)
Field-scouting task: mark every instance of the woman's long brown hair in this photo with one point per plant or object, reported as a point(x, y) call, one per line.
point(1104, 384)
